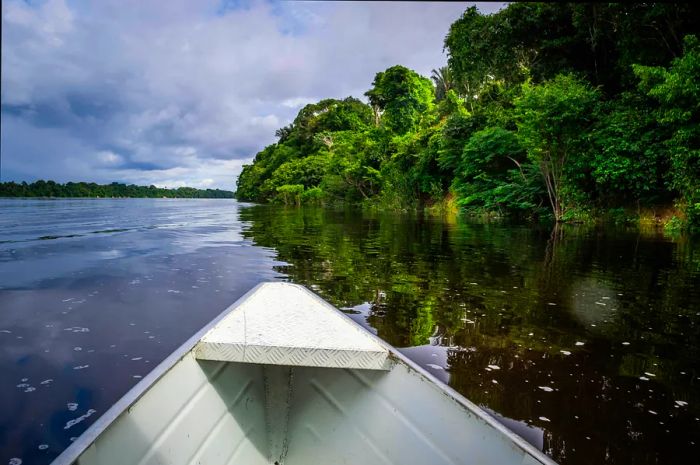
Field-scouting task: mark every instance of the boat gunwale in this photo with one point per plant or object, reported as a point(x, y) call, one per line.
point(480, 413)
point(72, 453)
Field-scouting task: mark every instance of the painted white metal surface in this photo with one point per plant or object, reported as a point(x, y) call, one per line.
point(369, 417)
point(191, 411)
point(284, 324)
point(211, 412)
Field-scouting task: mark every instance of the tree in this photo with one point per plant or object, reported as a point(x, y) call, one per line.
point(627, 161)
point(553, 121)
point(677, 91)
point(402, 96)
point(291, 193)
point(495, 175)
point(442, 77)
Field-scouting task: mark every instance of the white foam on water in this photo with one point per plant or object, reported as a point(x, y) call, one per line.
point(81, 418)
point(653, 412)
point(24, 380)
point(77, 329)
point(494, 381)
point(22, 385)
point(6, 331)
point(15, 461)
point(546, 388)
point(47, 381)
point(136, 359)
point(494, 367)
point(43, 446)
point(80, 367)
point(625, 343)
point(435, 367)
point(174, 291)
point(72, 406)
point(644, 378)
point(681, 403)
point(579, 343)
point(77, 349)
point(544, 418)
point(649, 374)
point(565, 352)
point(30, 389)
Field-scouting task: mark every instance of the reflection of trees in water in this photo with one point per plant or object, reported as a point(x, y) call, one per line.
point(586, 403)
point(515, 298)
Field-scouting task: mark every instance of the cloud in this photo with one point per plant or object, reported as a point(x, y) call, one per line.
point(184, 93)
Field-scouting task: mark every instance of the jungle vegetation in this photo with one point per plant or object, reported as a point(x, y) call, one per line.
point(566, 111)
point(43, 188)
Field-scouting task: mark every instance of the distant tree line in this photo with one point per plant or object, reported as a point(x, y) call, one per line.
point(570, 111)
point(43, 188)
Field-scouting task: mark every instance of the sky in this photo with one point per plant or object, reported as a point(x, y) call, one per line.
point(182, 92)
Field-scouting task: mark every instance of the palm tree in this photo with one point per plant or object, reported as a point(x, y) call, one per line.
point(443, 82)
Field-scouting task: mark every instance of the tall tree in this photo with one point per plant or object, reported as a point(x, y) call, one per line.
point(553, 120)
point(442, 77)
point(402, 95)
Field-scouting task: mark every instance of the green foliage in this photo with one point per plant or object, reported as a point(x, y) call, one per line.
point(582, 107)
point(290, 193)
point(495, 175)
point(43, 188)
point(442, 77)
point(402, 96)
point(677, 92)
point(627, 164)
point(315, 195)
point(553, 122)
point(599, 40)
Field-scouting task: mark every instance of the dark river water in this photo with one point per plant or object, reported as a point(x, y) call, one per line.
point(584, 341)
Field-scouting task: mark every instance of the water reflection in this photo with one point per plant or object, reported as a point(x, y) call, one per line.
point(85, 314)
point(589, 336)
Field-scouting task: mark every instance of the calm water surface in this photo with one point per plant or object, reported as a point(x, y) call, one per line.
point(586, 342)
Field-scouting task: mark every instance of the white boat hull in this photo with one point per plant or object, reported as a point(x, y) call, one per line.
point(191, 411)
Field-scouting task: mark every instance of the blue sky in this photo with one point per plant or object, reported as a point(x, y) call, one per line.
point(183, 92)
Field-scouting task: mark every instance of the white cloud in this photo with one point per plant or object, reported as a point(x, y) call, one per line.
point(178, 93)
point(108, 158)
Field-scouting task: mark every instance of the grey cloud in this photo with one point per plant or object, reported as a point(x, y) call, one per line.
point(180, 91)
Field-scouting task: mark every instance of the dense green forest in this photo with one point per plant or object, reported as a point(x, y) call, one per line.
point(544, 110)
point(84, 189)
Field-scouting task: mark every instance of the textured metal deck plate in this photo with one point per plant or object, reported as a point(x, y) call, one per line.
point(285, 324)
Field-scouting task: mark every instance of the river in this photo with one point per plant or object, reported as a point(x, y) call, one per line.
point(585, 341)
